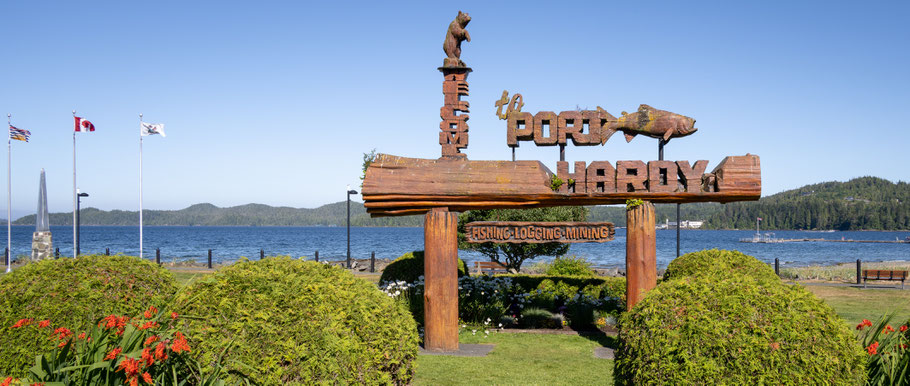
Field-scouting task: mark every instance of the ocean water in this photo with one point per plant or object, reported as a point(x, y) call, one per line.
point(230, 243)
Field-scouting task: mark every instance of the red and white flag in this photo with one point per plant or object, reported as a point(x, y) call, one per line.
point(83, 125)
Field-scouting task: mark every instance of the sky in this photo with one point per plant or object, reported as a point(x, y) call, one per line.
point(276, 102)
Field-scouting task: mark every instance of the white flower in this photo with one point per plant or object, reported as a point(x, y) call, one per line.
point(464, 326)
point(500, 325)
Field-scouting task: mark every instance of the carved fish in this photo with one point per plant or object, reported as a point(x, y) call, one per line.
point(650, 122)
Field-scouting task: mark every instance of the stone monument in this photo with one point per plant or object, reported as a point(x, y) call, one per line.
point(42, 244)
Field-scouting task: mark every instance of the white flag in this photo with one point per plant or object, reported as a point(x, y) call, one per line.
point(152, 128)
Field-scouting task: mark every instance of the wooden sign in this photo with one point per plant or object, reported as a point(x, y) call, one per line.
point(538, 232)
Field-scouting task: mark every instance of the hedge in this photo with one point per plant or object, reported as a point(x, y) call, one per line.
point(292, 321)
point(610, 286)
point(735, 329)
point(719, 261)
point(409, 268)
point(73, 293)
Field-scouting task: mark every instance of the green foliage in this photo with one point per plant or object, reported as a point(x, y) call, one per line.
point(483, 299)
point(513, 255)
point(119, 350)
point(555, 182)
point(367, 161)
point(570, 266)
point(719, 262)
point(612, 287)
point(74, 293)
point(738, 330)
point(409, 268)
point(633, 202)
point(540, 318)
point(294, 321)
point(888, 353)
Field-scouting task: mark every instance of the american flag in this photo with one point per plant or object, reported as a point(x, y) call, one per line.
point(18, 134)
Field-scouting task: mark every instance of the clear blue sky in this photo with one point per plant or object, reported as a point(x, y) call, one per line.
point(275, 102)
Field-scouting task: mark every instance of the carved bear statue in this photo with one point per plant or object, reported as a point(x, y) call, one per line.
point(454, 36)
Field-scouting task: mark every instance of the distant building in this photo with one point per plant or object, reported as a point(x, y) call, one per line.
point(686, 224)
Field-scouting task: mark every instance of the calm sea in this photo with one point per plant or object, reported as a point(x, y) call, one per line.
point(229, 243)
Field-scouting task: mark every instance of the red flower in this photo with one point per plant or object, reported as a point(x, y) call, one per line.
point(866, 322)
point(44, 323)
point(888, 329)
point(113, 354)
point(129, 366)
point(37, 384)
point(150, 340)
point(860, 326)
point(174, 315)
point(148, 325)
point(147, 378)
point(21, 323)
point(159, 351)
point(7, 381)
point(151, 312)
point(82, 335)
point(179, 343)
point(134, 381)
point(904, 328)
point(873, 348)
point(62, 333)
point(147, 357)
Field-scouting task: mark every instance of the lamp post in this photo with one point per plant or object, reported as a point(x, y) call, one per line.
point(79, 196)
point(350, 192)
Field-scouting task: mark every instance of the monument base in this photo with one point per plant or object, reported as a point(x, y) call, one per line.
point(42, 246)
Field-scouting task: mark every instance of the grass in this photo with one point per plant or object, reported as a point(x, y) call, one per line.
point(855, 304)
point(845, 273)
point(522, 358)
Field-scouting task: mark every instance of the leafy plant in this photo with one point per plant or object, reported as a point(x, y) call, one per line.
point(719, 261)
point(570, 266)
point(738, 329)
point(294, 321)
point(74, 293)
point(888, 351)
point(555, 182)
point(367, 161)
point(540, 318)
point(632, 203)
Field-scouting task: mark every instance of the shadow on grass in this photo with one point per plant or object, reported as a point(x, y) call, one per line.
point(598, 336)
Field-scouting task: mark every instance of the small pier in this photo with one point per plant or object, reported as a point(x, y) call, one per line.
point(769, 238)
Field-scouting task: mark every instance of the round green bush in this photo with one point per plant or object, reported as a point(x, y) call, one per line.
point(73, 293)
point(409, 268)
point(735, 330)
point(570, 266)
point(285, 321)
point(719, 261)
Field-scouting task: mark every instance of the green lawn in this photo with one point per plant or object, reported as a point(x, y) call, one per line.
point(522, 358)
point(856, 304)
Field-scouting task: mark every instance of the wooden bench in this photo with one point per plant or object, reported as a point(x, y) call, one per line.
point(884, 274)
point(490, 267)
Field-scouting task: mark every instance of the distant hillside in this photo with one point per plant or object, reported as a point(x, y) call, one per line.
point(243, 215)
point(866, 203)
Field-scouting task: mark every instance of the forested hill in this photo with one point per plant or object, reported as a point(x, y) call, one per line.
point(866, 203)
point(243, 215)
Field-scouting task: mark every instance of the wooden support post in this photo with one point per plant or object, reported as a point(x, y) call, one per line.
point(641, 253)
point(317, 256)
point(56, 253)
point(210, 259)
point(158, 256)
point(372, 262)
point(261, 254)
point(859, 271)
point(440, 297)
point(107, 251)
point(777, 266)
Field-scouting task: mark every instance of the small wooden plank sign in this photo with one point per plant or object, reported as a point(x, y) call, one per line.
point(538, 232)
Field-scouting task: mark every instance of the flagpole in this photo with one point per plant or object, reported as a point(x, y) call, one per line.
point(9, 200)
point(74, 188)
point(140, 186)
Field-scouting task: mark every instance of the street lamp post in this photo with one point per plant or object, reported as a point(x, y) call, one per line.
point(79, 196)
point(350, 192)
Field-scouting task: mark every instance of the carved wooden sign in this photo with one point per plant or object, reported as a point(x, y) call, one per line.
point(538, 232)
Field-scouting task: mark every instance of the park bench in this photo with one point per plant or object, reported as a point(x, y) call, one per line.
point(884, 274)
point(490, 267)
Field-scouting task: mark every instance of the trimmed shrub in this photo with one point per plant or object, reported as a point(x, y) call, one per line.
point(737, 330)
point(713, 261)
point(570, 266)
point(74, 293)
point(292, 321)
point(614, 287)
point(409, 267)
point(540, 318)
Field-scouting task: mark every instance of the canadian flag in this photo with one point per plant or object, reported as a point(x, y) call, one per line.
point(83, 125)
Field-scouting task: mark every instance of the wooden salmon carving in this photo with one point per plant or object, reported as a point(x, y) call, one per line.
point(651, 122)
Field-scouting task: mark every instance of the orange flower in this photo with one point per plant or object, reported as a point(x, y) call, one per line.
point(44, 323)
point(82, 335)
point(147, 357)
point(113, 354)
point(7, 381)
point(150, 340)
point(147, 377)
point(22, 322)
point(134, 381)
point(37, 384)
point(180, 343)
point(159, 351)
point(873, 348)
point(887, 329)
point(62, 333)
point(148, 325)
point(174, 315)
point(860, 326)
point(150, 312)
point(866, 322)
point(904, 328)
point(129, 366)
